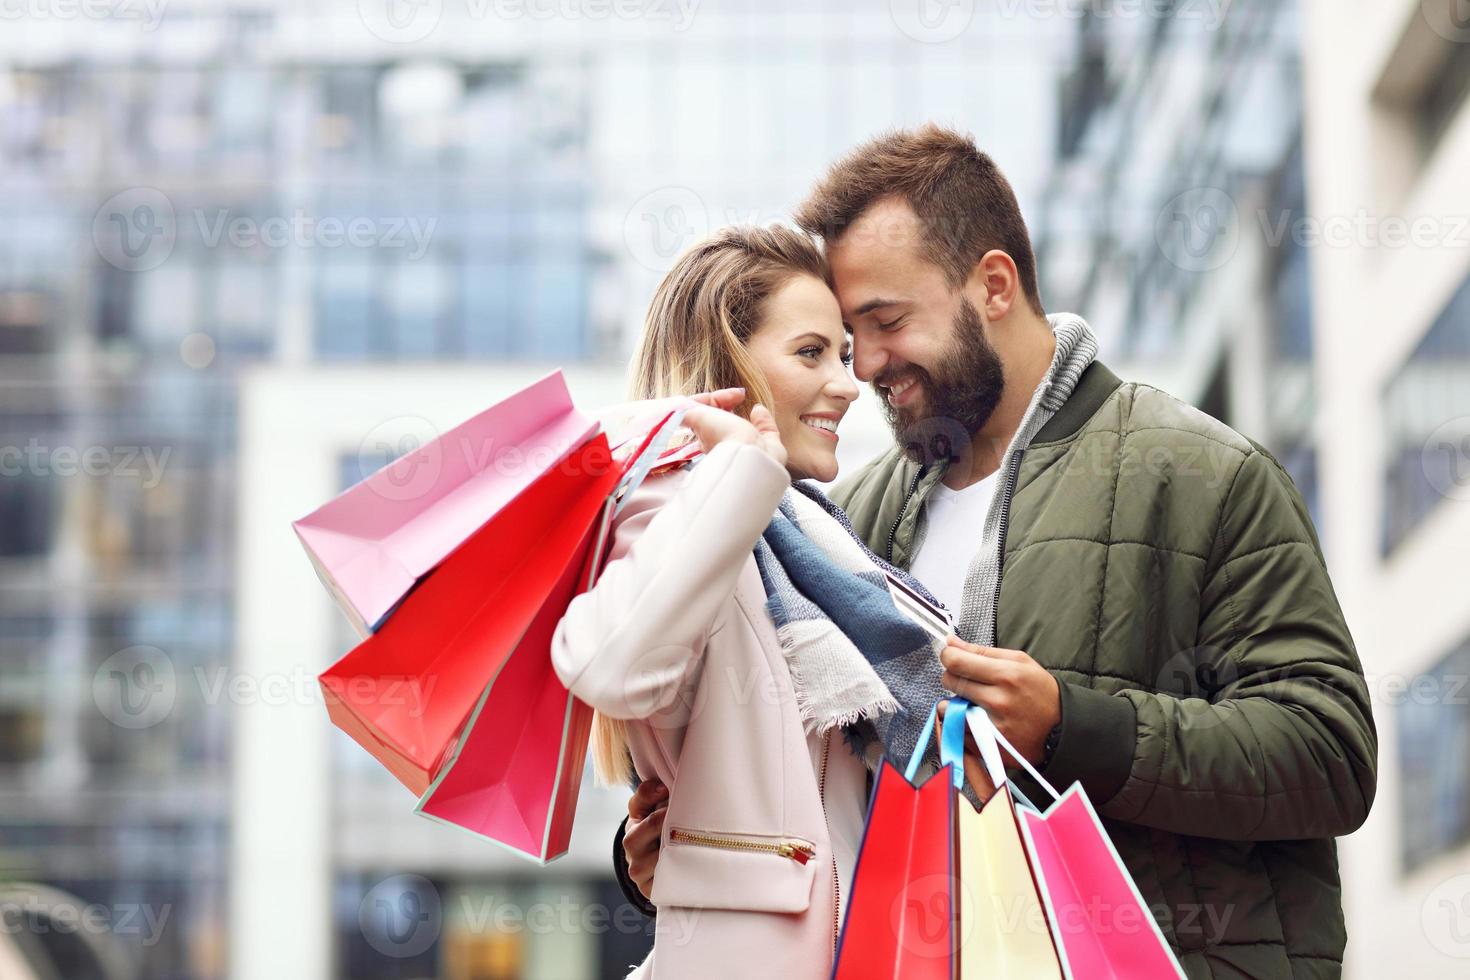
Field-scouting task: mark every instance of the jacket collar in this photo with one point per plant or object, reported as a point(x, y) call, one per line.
point(1093, 388)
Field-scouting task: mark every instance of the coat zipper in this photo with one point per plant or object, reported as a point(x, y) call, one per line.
point(893, 532)
point(797, 850)
point(1000, 559)
point(836, 887)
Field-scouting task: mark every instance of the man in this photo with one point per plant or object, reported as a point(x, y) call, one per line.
point(1142, 598)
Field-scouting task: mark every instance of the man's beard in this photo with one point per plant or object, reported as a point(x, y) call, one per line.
point(958, 397)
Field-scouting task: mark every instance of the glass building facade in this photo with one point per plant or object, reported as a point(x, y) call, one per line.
point(167, 225)
point(1177, 184)
point(269, 185)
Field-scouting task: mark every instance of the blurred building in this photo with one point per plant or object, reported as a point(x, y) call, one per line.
point(1174, 136)
point(1267, 216)
point(1387, 150)
point(336, 217)
point(181, 205)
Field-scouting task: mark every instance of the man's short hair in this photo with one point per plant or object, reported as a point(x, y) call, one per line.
point(964, 204)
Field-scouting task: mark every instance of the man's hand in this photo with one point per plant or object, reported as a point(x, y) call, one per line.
point(975, 773)
point(641, 839)
point(1021, 696)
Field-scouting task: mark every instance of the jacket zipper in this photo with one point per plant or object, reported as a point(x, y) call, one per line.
point(893, 532)
point(836, 887)
point(1000, 559)
point(797, 850)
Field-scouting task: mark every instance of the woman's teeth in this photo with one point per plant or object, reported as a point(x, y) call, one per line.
point(826, 425)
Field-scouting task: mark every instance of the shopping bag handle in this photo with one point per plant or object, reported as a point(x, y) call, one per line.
point(649, 455)
point(952, 746)
point(952, 742)
point(912, 769)
point(991, 741)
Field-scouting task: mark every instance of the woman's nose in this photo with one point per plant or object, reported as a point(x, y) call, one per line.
point(842, 386)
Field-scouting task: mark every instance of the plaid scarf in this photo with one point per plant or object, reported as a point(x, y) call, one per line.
point(824, 587)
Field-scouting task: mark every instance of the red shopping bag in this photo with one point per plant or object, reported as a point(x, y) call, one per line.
point(455, 694)
point(515, 772)
point(900, 919)
point(405, 692)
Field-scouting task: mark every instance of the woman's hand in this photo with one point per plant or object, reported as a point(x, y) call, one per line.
point(712, 423)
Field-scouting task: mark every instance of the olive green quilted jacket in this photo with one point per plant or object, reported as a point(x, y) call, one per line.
point(1165, 570)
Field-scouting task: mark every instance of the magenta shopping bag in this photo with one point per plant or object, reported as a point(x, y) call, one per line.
point(372, 543)
point(1101, 923)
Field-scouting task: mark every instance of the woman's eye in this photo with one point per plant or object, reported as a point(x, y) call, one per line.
point(810, 351)
point(847, 358)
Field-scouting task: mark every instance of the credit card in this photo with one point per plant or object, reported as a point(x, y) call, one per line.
point(935, 621)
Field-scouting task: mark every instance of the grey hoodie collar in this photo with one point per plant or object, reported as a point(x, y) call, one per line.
point(1076, 349)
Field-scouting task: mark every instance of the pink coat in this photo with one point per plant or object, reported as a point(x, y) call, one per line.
point(676, 639)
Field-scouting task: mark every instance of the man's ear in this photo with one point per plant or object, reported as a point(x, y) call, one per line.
point(994, 285)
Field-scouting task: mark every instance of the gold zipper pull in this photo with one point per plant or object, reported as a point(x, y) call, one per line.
point(796, 850)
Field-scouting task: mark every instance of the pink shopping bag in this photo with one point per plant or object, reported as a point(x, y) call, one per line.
point(404, 693)
point(1103, 927)
point(372, 543)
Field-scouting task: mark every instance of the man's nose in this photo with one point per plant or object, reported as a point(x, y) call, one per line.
point(868, 358)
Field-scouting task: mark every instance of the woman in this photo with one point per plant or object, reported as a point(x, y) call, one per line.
point(678, 646)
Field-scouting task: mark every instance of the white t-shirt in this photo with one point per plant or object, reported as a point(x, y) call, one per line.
point(954, 521)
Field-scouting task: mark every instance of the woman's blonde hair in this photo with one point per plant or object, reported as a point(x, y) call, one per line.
point(702, 315)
